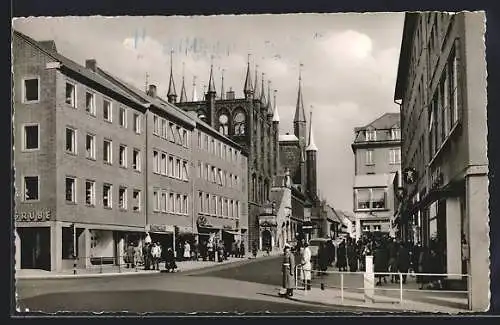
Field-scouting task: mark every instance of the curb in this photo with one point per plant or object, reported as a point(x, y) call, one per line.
point(205, 268)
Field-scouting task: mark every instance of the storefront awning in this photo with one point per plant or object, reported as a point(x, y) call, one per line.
point(232, 232)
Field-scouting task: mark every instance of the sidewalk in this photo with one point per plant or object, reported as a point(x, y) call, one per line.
point(413, 299)
point(113, 270)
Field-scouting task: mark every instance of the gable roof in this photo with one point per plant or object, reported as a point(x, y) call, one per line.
point(386, 121)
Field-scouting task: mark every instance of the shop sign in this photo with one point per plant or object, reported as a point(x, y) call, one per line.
point(34, 216)
point(202, 221)
point(161, 228)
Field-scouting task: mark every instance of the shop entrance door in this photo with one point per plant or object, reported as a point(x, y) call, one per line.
point(35, 247)
point(266, 240)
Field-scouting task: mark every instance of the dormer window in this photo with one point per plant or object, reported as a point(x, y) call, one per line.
point(370, 135)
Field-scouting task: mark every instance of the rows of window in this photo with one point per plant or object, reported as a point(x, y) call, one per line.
point(443, 110)
point(370, 198)
point(169, 165)
point(217, 148)
point(371, 134)
point(170, 131)
point(219, 206)
point(31, 192)
point(394, 156)
point(107, 150)
point(168, 202)
point(31, 94)
point(217, 176)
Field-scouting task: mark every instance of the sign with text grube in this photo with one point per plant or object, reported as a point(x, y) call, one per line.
point(38, 215)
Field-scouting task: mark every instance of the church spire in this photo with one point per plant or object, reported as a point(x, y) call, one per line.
point(171, 95)
point(263, 92)
point(256, 92)
point(183, 98)
point(311, 146)
point(300, 115)
point(269, 102)
point(211, 84)
point(195, 94)
point(222, 91)
point(248, 89)
point(276, 117)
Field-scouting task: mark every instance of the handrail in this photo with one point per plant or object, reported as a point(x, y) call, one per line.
point(399, 289)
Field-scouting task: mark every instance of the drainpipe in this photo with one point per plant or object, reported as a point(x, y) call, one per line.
point(146, 178)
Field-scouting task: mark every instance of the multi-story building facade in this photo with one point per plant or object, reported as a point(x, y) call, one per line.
point(248, 122)
point(441, 89)
point(99, 163)
point(377, 158)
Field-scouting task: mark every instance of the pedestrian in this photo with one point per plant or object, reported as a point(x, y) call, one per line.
point(254, 249)
point(220, 251)
point(137, 255)
point(187, 251)
point(380, 263)
point(352, 256)
point(288, 271)
point(423, 267)
point(342, 256)
point(146, 253)
point(129, 257)
point(403, 261)
point(242, 249)
point(170, 265)
point(393, 248)
point(156, 255)
point(322, 258)
point(306, 266)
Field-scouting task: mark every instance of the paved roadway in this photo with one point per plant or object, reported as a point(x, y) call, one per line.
point(246, 287)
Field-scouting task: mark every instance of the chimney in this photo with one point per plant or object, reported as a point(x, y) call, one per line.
point(152, 90)
point(91, 64)
point(230, 94)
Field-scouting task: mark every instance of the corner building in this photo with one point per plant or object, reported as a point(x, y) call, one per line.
point(100, 163)
point(441, 89)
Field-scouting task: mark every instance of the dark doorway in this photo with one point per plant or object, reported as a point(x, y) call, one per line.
point(35, 247)
point(266, 240)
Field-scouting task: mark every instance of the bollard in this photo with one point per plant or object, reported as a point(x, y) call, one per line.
point(400, 288)
point(342, 287)
point(74, 265)
point(322, 286)
point(369, 280)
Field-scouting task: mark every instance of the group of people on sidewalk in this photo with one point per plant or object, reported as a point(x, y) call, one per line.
point(389, 256)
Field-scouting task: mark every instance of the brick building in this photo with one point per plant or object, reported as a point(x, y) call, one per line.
point(441, 89)
point(99, 163)
point(377, 159)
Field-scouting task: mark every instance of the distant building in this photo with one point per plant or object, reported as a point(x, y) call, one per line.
point(377, 158)
point(441, 88)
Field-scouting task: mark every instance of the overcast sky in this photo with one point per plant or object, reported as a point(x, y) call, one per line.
point(349, 66)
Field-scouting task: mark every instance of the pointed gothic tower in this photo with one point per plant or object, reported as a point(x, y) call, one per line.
point(194, 97)
point(276, 130)
point(263, 94)
point(256, 92)
point(222, 91)
point(171, 95)
point(311, 157)
point(248, 88)
point(210, 96)
point(299, 121)
point(269, 102)
point(183, 98)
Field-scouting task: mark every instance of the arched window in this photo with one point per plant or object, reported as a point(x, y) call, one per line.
point(224, 123)
point(239, 123)
point(202, 115)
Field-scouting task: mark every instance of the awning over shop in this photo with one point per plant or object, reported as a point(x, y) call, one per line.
point(232, 232)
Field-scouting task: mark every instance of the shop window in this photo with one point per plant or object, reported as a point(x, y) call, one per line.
point(67, 243)
point(363, 199)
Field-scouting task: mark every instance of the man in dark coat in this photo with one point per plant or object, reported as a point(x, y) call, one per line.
point(403, 261)
point(393, 258)
point(381, 258)
point(342, 256)
point(288, 271)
